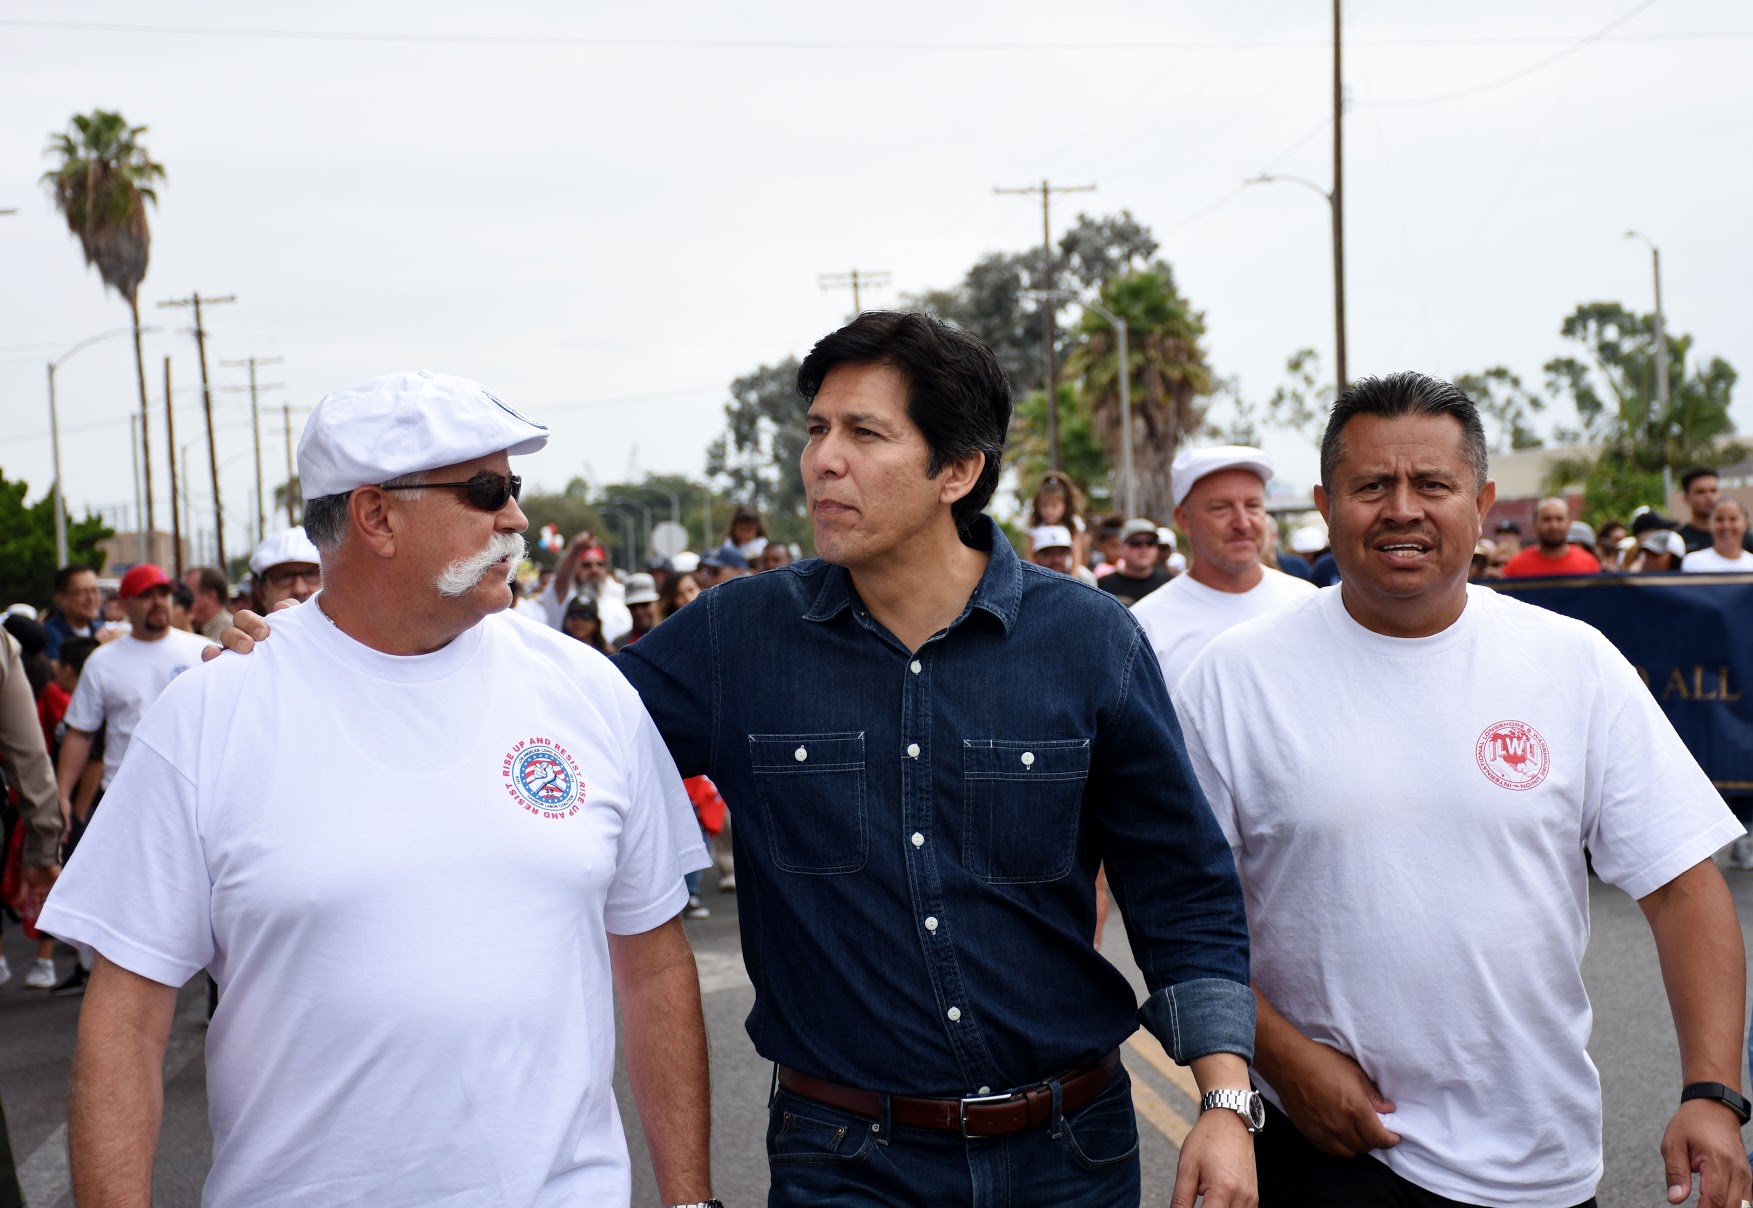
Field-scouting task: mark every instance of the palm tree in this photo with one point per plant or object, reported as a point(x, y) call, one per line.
point(1169, 373)
point(101, 187)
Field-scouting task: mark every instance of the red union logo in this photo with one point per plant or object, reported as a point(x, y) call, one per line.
point(1512, 755)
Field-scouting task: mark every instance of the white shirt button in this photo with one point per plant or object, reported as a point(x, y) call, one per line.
point(917, 666)
point(913, 750)
point(1028, 759)
point(955, 1013)
point(800, 754)
point(985, 1090)
point(918, 839)
point(931, 922)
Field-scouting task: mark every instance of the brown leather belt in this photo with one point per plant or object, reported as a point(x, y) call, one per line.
point(977, 1116)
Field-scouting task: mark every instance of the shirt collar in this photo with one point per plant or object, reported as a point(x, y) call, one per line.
point(999, 592)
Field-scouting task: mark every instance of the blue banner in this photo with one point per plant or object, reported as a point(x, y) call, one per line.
point(1690, 637)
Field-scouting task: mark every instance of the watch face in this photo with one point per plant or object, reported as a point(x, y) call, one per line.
point(1256, 1110)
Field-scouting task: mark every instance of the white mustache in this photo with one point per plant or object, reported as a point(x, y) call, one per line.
point(461, 576)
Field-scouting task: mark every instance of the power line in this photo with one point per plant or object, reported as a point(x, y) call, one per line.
point(551, 41)
point(1520, 73)
point(855, 279)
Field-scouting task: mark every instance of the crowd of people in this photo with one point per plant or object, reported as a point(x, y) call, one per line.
point(935, 750)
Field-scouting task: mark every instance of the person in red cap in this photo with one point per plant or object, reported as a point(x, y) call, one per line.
point(120, 680)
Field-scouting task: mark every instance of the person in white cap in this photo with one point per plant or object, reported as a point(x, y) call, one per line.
point(1220, 504)
point(1051, 547)
point(406, 773)
point(285, 566)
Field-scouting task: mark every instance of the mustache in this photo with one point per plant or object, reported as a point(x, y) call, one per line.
point(462, 576)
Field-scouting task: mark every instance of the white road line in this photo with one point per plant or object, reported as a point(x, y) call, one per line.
point(44, 1176)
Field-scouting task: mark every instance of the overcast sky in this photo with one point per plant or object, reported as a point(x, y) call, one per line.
point(606, 213)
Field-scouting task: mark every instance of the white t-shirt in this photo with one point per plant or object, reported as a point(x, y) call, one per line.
point(342, 836)
point(1183, 615)
point(121, 678)
point(1408, 818)
point(617, 622)
point(1707, 560)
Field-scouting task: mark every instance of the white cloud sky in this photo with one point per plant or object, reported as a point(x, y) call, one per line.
point(612, 215)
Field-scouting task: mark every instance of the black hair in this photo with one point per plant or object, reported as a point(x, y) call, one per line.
point(1693, 473)
point(74, 652)
point(64, 576)
point(957, 393)
point(1405, 393)
point(184, 596)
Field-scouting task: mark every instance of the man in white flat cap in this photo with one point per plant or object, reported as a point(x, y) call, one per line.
point(285, 566)
point(406, 773)
point(1220, 504)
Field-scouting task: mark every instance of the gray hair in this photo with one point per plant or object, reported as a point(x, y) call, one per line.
point(325, 517)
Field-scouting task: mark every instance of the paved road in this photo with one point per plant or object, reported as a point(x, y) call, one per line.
point(1633, 1045)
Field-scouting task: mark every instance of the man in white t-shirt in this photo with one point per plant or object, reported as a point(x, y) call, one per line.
point(122, 678)
point(584, 571)
point(406, 773)
point(1728, 525)
point(1408, 771)
point(1220, 504)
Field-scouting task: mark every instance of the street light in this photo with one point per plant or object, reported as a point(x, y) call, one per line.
point(1266, 178)
point(626, 528)
point(635, 503)
point(1661, 321)
point(55, 436)
point(1129, 481)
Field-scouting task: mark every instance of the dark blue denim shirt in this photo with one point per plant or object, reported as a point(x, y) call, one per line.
point(917, 834)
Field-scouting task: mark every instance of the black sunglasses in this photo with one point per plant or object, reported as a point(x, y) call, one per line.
point(487, 490)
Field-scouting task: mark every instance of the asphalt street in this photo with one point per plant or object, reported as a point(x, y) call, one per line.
point(1633, 1045)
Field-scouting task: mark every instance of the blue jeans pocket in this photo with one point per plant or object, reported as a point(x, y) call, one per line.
point(799, 1131)
point(1105, 1132)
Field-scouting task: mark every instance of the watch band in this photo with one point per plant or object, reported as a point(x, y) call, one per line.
point(1247, 1104)
point(713, 1203)
point(1728, 1096)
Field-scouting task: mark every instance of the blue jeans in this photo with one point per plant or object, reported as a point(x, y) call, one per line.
point(820, 1155)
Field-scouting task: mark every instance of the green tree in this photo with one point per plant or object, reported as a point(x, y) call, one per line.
point(27, 544)
point(1081, 453)
point(1612, 386)
point(1508, 409)
point(101, 186)
point(759, 453)
point(1168, 373)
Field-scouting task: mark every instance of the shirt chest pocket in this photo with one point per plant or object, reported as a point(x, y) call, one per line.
point(1022, 803)
point(811, 790)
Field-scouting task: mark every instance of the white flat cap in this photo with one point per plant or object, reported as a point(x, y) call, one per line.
point(1051, 536)
point(403, 423)
point(1193, 464)
point(288, 545)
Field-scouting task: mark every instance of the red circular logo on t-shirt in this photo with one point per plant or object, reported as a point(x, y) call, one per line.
point(1512, 755)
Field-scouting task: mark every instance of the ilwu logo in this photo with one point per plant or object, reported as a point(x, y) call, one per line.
point(1512, 755)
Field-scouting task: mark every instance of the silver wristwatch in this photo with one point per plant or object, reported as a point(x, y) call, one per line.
point(699, 1204)
point(1247, 1104)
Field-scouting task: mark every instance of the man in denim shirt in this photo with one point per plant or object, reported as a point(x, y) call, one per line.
point(930, 747)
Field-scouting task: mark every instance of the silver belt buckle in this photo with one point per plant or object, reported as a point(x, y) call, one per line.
point(978, 1100)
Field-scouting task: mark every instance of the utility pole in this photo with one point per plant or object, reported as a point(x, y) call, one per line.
point(1046, 190)
point(1661, 322)
point(134, 456)
point(855, 278)
point(291, 473)
point(1338, 199)
point(195, 301)
point(256, 435)
point(170, 440)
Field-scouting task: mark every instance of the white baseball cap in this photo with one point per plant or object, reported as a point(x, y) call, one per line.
point(403, 423)
point(288, 545)
point(1309, 539)
point(1193, 464)
point(1051, 536)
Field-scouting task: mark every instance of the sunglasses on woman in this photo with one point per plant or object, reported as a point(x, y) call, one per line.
point(487, 490)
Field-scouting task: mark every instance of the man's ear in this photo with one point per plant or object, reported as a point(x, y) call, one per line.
point(374, 518)
point(958, 477)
